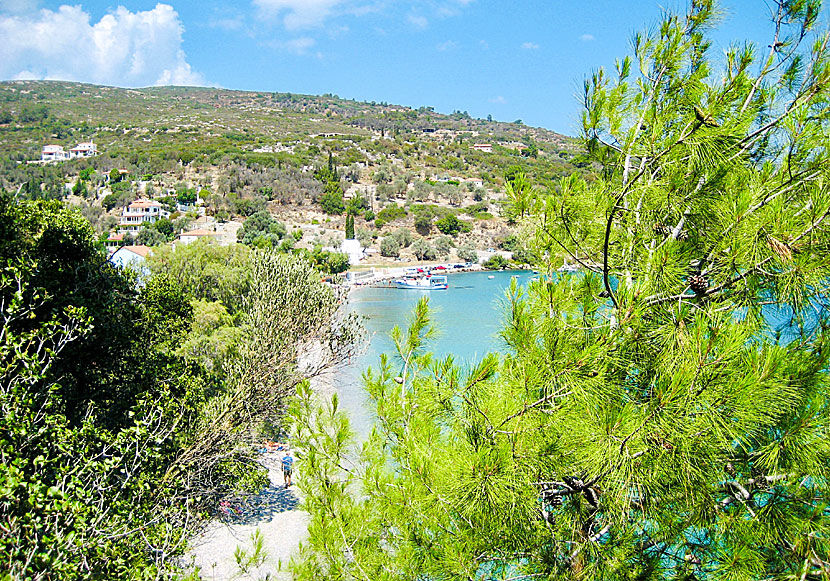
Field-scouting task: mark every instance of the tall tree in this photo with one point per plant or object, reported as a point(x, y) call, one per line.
point(661, 415)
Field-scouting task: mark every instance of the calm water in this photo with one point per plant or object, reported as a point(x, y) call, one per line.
point(468, 317)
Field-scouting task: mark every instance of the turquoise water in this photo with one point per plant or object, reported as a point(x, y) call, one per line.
point(468, 317)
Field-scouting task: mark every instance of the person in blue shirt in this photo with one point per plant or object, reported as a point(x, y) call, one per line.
point(287, 466)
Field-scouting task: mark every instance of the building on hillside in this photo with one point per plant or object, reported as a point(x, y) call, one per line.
point(132, 257)
point(194, 235)
point(83, 149)
point(139, 213)
point(353, 249)
point(485, 147)
point(53, 153)
point(113, 241)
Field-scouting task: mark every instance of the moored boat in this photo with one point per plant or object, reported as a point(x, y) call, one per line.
point(434, 282)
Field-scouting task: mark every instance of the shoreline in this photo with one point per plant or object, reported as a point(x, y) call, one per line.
point(374, 277)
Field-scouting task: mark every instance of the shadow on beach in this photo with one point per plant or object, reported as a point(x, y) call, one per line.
point(262, 507)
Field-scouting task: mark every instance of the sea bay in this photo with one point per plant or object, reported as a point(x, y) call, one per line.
point(467, 316)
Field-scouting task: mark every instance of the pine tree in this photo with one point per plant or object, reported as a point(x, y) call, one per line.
point(661, 415)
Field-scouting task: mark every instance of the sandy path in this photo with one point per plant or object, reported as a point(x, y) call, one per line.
point(275, 512)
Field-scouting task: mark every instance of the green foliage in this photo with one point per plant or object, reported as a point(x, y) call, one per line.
point(452, 226)
point(496, 262)
point(211, 340)
point(467, 252)
point(661, 414)
point(423, 223)
point(390, 246)
point(186, 196)
point(349, 227)
point(331, 201)
point(117, 199)
point(330, 262)
point(261, 226)
point(207, 271)
point(388, 214)
point(521, 196)
point(248, 561)
point(95, 405)
point(443, 245)
point(357, 204)
point(423, 250)
point(403, 236)
point(150, 237)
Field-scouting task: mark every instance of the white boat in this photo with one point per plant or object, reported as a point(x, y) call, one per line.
point(434, 282)
point(568, 268)
point(491, 277)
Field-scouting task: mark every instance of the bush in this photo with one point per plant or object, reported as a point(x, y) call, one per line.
point(423, 223)
point(510, 243)
point(423, 250)
point(388, 214)
point(452, 226)
point(331, 201)
point(150, 237)
point(263, 226)
point(390, 246)
point(404, 236)
point(468, 253)
point(496, 262)
point(186, 196)
point(443, 244)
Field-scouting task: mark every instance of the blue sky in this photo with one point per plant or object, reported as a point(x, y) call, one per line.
point(511, 60)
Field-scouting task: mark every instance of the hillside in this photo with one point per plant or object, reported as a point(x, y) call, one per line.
point(244, 152)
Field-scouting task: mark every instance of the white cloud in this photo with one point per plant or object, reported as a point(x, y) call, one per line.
point(530, 46)
point(417, 21)
point(498, 100)
point(586, 37)
point(298, 14)
point(231, 24)
point(447, 45)
point(299, 45)
point(484, 45)
point(124, 48)
point(18, 6)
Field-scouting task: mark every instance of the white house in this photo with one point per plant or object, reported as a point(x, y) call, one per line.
point(138, 213)
point(53, 153)
point(83, 149)
point(353, 249)
point(194, 235)
point(485, 147)
point(132, 256)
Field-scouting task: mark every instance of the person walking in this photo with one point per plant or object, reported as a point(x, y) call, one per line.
point(287, 466)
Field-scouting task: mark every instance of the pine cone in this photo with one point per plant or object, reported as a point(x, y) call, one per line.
point(698, 283)
point(683, 235)
point(662, 229)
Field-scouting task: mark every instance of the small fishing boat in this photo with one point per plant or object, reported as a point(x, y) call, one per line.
point(491, 277)
point(434, 282)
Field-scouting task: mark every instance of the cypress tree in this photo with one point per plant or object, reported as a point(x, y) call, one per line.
point(349, 226)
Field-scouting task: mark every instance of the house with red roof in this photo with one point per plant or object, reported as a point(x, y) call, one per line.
point(193, 235)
